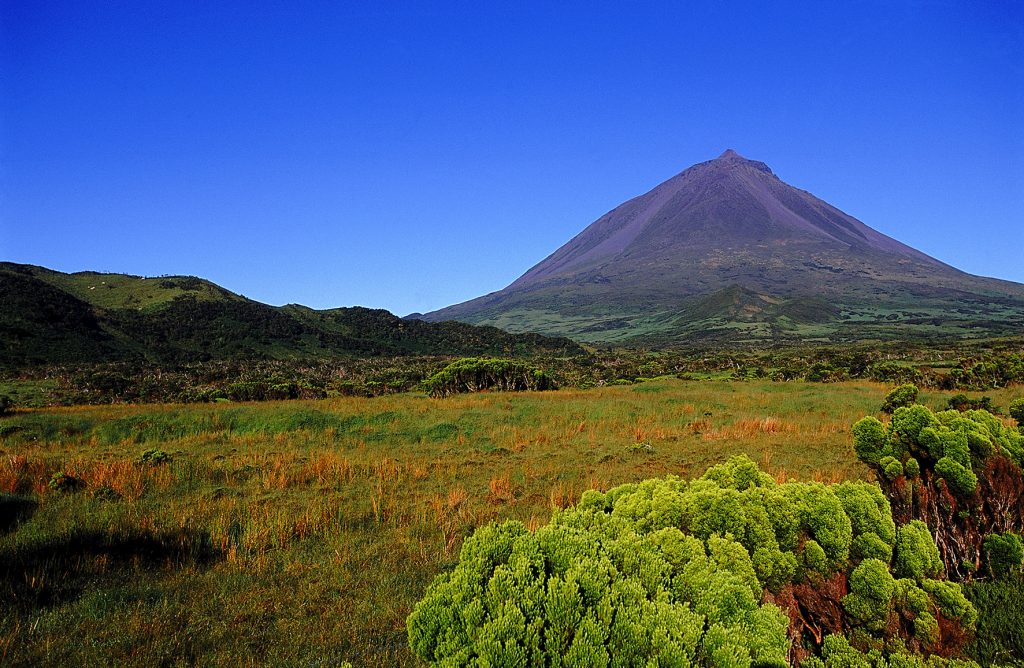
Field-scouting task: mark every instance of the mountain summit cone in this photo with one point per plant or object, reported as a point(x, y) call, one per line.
point(726, 250)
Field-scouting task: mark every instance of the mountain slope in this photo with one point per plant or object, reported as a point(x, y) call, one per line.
point(49, 317)
point(653, 269)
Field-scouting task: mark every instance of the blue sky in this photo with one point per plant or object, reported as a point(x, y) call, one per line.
point(412, 155)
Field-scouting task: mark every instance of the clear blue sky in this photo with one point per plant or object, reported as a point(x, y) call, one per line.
point(409, 156)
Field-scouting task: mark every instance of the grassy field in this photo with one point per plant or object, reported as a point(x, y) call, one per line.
point(302, 533)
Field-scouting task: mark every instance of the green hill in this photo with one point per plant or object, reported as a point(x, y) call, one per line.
point(49, 317)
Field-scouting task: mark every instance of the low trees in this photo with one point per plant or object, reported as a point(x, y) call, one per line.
point(473, 374)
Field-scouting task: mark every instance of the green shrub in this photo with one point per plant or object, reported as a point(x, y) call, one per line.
point(670, 572)
point(566, 597)
point(904, 395)
point(963, 403)
point(477, 374)
point(891, 466)
point(916, 555)
point(871, 592)
point(154, 457)
point(954, 465)
point(1004, 553)
point(950, 599)
point(893, 372)
point(999, 639)
point(837, 652)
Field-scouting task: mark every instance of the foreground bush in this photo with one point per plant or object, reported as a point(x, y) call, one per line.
point(731, 569)
point(475, 375)
point(959, 473)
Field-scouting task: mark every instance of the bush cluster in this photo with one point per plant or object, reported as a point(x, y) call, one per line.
point(963, 403)
point(726, 570)
point(960, 473)
point(473, 374)
point(991, 371)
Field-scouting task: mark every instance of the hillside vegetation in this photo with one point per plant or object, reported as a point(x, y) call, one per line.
point(49, 317)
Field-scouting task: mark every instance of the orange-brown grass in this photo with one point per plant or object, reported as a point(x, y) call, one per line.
point(328, 467)
point(501, 490)
point(562, 495)
point(125, 477)
point(310, 546)
point(18, 475)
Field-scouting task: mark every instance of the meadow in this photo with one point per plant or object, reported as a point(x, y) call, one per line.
point(302, 533)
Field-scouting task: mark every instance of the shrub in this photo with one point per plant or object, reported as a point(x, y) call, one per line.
point(904, 395)
point(154, 457)
point(837, 652)
point(65, 482)
point(724, 570)
point(999, 639)
point(892, 467)
point(6, 405)
point(917, 556)
point(870, 440)
point(962, 477)
point(871, 592)
point(476, 375)
point(893, 372)
point(1004, 553)
point(963, 403)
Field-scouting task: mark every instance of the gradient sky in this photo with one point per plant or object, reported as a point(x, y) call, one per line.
point(410, 156)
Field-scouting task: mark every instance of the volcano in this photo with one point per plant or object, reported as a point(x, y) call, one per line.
point(726, 250)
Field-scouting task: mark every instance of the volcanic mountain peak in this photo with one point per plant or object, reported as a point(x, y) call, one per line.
point(731, 158)
point(729, 204)
point(729, 222)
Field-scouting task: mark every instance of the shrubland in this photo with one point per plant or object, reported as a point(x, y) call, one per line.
point(964, 366)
